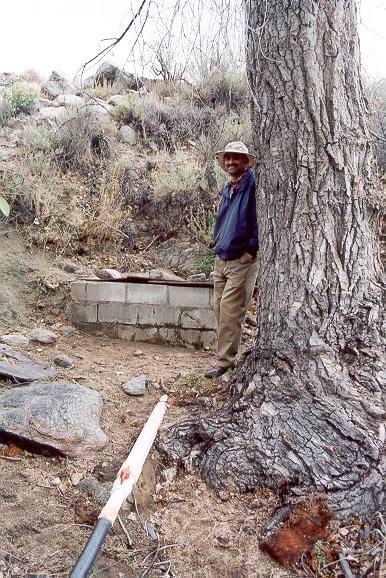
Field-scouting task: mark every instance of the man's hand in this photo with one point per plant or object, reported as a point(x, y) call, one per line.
point(246, 258)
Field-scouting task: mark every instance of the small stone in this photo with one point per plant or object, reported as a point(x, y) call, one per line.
point(132, 517)
point(251, 320)
point(108, 274)
point(68, 266)
point(170, 474)
point(62, 360)
point(76, 478)
point(68, 331)
point(56, 481)
point(42, 336)
point(14, 339)
point(137, 353)
point(250, 389)
point(198, 277)
point(135, 386)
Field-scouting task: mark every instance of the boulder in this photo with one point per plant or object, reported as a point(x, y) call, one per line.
point(98, 106)
point(42, 336)
point(108, 274)
point(14, 365)
point(69, 100)
point(128, 135)
point(116, 99)
point(51, 112)
point(106, 73)
point(42, 102)
point(14, 339)
point(54, 88)
point(61, 416)
point(124, 82)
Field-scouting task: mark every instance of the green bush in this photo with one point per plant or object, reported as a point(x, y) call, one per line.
point(206, 265)
point(21, 99)
point(130, 111)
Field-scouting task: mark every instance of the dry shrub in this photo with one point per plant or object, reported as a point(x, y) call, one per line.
point(106, 217)
point(102, 91)
point(82, 134)
point(32, 187)
point(171, 126)
point(130, 111)
point(169, 194)
point(219, 88)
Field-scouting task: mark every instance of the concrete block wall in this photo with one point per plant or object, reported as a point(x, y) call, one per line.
point(177, 315)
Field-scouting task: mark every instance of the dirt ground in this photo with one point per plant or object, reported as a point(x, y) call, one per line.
point(46, 519)
point(44, 525)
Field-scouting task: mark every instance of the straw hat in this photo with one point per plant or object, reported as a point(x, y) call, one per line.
point(235, 147)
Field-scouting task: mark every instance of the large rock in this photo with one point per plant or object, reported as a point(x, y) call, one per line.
point(51, 112)
point(128, 135)
point(58, 84)
point(69, 100)
point(124, 82)
point(98, 106)
point(54, 89)
point(14, 365)
point(44, 336)
point(62, 416)
point(15, 339)
point(119, 80)
point(106, 73)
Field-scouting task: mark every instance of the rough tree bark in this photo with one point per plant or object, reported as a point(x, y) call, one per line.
point(306, 409)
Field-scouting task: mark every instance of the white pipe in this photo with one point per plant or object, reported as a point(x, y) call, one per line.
point(131, 468)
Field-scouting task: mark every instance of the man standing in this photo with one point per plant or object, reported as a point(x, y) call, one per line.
point(235, 243)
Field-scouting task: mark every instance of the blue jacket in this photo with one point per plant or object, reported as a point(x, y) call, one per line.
point(235, 231)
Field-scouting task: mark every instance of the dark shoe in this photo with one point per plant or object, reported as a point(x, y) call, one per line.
point(215, 372)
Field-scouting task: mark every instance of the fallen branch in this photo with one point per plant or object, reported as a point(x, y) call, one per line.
point(129, 540)
point(104, 223)
point(150, 244)
point(11, 459)
point(345, 566)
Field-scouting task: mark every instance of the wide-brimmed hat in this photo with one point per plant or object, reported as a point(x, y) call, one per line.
point(234, 147)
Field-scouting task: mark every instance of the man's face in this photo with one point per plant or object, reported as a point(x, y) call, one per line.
point(235, 164)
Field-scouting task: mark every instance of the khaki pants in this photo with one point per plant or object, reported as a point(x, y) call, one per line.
point(233, 288)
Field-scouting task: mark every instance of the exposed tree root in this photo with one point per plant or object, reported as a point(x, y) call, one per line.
point(297, 424)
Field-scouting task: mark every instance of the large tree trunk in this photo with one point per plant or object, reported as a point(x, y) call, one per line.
point(307, 400)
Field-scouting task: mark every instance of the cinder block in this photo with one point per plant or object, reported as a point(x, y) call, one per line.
point(148, 334)
point(188, 296)
point(84, 312)
point(78, 291)
point(104, 291)
point(117, 312)
point(159, 315)
point(167, 335)
point(209, 339)
point(126, 332)
point(146, 293)
point(191, 337)
point(198, 319)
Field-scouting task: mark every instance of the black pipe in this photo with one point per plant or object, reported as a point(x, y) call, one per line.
point(91, 549)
